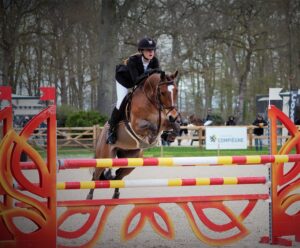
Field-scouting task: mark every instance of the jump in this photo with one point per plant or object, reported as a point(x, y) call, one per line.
point(149, 110)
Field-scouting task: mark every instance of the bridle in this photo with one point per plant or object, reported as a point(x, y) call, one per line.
point(161, 105)
point(158, 102)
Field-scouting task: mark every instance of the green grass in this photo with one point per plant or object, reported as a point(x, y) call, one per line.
point(75, 153)
point(166, 152)
point(196, 152)
point(69, 152)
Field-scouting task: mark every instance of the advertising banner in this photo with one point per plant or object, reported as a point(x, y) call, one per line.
point(226, 138)
point(292, 103)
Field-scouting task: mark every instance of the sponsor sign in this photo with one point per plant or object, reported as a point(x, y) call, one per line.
point(226, 138)
point(293, 101)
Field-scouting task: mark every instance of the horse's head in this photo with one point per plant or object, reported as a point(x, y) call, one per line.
point(167, 97)
point(167, 92)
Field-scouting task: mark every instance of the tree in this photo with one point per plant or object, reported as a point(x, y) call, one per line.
point(226, 51)
point(12, 14)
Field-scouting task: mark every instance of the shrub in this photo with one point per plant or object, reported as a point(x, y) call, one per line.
point(85, 119)
point(62, 114)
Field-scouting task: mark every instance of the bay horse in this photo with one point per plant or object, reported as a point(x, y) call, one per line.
point(148, 111)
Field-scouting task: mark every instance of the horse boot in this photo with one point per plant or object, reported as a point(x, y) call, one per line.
point(113, 127)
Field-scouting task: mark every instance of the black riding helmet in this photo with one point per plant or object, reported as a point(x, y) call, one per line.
point(146, 43)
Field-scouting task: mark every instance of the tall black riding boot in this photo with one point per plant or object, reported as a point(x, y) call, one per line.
point(113, 126)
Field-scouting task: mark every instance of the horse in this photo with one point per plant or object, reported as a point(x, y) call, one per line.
point(148, 110)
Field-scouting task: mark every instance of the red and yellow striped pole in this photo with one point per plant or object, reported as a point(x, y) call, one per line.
point(174, 182)
point(172, 161)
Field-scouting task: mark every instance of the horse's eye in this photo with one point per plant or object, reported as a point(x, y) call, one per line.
point(163, 93)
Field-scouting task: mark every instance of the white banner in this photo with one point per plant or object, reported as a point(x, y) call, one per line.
point(226, 138)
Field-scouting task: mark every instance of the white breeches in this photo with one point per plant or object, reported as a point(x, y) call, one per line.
point(121, 93)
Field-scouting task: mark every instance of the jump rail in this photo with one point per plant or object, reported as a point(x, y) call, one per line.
point(173, 182)
point(64, 164)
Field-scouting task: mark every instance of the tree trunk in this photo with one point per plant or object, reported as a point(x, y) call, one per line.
point(107, 56)
point(9, 22)
point(80, 76)
point(241, 75)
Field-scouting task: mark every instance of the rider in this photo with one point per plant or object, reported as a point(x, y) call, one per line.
point(130, 74)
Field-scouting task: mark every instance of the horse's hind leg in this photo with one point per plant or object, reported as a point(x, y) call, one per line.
point(96, 176)
point(103, 150)
point(90, 194)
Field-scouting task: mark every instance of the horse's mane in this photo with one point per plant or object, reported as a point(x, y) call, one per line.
point(156, 77)
point(152, 79)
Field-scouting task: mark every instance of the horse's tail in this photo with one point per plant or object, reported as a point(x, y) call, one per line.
point(101, 137)
point(100, 145)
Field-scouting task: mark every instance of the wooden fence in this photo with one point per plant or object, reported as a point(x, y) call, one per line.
point(85, 137)
point(68, 137)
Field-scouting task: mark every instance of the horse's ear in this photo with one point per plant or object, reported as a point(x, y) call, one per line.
point(162, 76)
point(174, 75)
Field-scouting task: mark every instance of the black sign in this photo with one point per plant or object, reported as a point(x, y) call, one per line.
point(293, 102)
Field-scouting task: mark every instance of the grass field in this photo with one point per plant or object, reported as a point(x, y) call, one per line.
point(170, 152)
point(197, 152)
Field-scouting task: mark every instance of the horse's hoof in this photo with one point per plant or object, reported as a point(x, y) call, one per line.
point(89, 197)
point(116, 195)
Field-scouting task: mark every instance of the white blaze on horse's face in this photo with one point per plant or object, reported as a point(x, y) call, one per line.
point(172, 112)
point(170, 89)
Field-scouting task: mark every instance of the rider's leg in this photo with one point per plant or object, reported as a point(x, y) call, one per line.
point(115, 116)
point(113, 123)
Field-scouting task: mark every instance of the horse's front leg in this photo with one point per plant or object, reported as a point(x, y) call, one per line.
point(120, 174)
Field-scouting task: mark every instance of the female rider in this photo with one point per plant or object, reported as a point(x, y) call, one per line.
point(130, 74)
